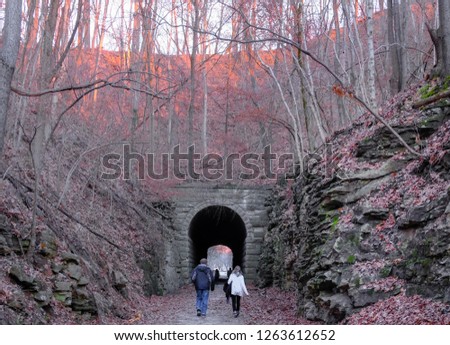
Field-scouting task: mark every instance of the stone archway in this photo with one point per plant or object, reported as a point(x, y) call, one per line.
point(190, 205)
point(217, 225)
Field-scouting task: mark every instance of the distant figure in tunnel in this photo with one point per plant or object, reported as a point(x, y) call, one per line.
point(216, 275)
point(238, 289)
point(203, 279)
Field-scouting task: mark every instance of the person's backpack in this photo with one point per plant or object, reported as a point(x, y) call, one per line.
point(203, 276)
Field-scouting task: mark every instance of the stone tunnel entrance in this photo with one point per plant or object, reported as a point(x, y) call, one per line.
point(217, 225)
point(206, 215)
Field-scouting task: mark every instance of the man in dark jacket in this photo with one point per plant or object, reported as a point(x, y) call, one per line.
point(203, 279)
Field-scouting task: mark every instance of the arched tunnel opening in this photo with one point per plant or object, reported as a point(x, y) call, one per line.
point(213, 226)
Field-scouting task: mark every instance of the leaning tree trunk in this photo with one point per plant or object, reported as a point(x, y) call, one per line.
point(8, 55)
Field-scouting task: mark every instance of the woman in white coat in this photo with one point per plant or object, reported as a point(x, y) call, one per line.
point(238, 289)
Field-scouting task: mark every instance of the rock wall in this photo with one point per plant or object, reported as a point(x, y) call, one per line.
point(378, 226)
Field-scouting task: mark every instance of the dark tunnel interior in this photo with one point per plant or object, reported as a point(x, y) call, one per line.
point(216, 225)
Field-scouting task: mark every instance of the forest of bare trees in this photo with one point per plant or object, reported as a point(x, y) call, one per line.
point(226, 75)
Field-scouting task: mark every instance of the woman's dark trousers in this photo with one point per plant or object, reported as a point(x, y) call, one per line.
point(236, 302)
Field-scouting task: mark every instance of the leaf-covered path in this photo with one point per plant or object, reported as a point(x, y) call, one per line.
point(262, 306)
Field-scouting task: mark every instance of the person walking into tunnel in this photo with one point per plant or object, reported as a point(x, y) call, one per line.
point(203, 279)
point(238, 289)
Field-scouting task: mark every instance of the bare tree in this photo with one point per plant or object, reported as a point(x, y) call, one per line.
point(342, 113)
point(31, 30)
point(8, 56)
point(441, 40)
point(195, 25)
point(396, 41)
point(101, 37)
point(27, 67)
point(292, 111)
point(269, 35)
point(444, 22)
point(135, 61)
point(371, 60)
point(204, 46)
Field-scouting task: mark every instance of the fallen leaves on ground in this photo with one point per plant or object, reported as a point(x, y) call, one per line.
point(402, 310)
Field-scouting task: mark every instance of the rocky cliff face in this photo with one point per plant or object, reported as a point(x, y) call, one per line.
point(368, 221)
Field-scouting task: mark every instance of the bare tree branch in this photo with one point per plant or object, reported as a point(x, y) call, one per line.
point(275, 37)
point(107, 81)
point(69, 43)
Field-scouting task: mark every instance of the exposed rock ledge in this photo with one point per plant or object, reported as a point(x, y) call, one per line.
point(357, 239)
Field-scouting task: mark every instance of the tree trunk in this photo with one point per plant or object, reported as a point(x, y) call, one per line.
point(32, 29)
point(148, 49)
point(47, 60)
point(27, 67)
point(297, 8)
point(205, 113)
point(204, 46)
point(371, 60)
point(441, 41)
point(394, 49)
point(351, 44)
point(134, 66)
point(342, 115)
point(444, 35)
point(193, 73)
point(63, 33)
point(122, 35)
point(96, 34)
point(87, 24)
point(403, 25)
point(8, 56)
point(101, 36)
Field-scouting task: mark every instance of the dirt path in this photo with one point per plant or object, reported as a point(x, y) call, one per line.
point(219, 312)
point(179, 309)
point(262, 306)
